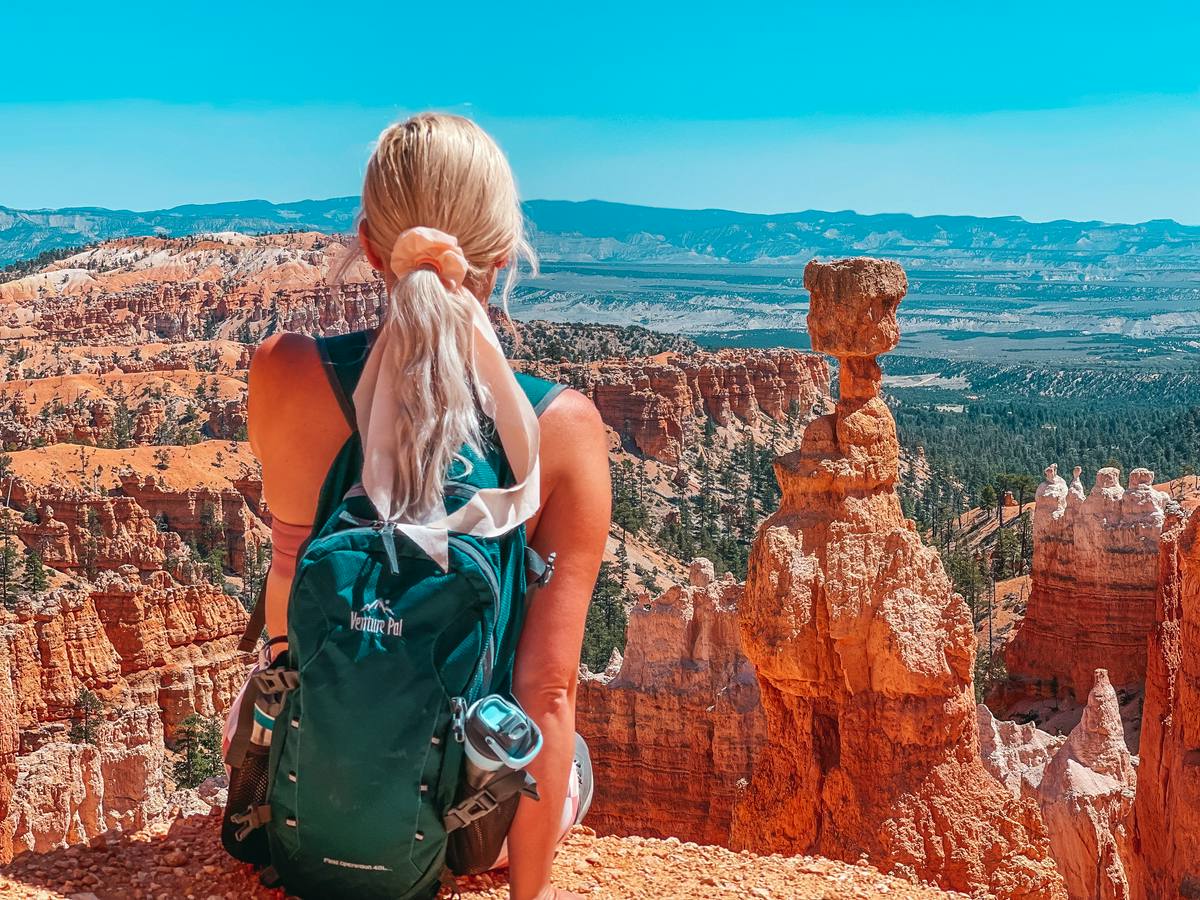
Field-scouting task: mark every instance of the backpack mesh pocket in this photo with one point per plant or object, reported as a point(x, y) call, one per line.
point(475, 848)
point(247, 788)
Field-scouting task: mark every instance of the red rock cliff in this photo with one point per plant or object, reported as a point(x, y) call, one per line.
point(675, 729)
point(1095, 583)
point(864, 653)
point(654, 403)
point(1167, 807)
point(128, 615)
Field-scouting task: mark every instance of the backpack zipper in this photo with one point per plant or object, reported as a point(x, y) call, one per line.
point(485, 567)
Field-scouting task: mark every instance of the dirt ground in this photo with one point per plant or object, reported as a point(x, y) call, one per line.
point(187, 863)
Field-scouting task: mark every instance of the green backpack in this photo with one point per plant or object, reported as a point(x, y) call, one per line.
point(385, 652)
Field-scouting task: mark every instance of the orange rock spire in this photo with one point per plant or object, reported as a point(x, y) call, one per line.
point(1166, 832)
point(863, 651)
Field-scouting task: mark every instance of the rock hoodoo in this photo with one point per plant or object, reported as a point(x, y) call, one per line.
point(1084, 785)
point(1086, 797)
point(1167, 808)
point(128, 614)
point(863, 651)
point(677, 726)
point(1095, 582)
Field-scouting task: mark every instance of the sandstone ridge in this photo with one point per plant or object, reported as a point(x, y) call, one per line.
point(653, 402)
point(1094, 586)
point(1166, 831)
point(675, 725)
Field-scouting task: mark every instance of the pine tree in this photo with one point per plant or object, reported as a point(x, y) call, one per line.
point(254, 571)
point(606, 619)
point(622, 559)
point(123, 423)
point(9, 557)
point(88, 709)
point(89, 546)
point(198, 740)
point(35, 579)
point(628, 511)
point(211, 531)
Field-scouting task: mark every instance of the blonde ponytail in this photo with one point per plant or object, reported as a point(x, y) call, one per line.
point(445, 173)
point(429, 346)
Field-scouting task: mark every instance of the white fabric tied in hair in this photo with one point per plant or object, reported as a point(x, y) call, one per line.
point(492, 511)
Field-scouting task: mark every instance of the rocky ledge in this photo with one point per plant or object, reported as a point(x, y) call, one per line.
point(187, 861)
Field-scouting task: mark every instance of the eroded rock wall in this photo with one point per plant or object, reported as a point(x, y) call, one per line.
point(653, 403)
point(68, 793)
point(863, 651)
point(152, 654)
point(1167, 807)
point(1083, 783)
point(1086, 798)
point(674, 726)
point(127, 614)
point(1094, 586)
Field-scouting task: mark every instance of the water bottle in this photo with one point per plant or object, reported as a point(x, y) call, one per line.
point(498, 737)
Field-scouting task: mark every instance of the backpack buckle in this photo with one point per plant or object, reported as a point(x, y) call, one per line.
point(253, 817)
point(470, 810)
point(544, 578)
point(542, 569)
point(486, 799)
point(277, 681)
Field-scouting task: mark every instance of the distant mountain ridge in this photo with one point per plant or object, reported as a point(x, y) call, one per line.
point(24, 233)
point(599, 231)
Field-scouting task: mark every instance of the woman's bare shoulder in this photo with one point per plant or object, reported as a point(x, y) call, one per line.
point(572, 419)
point(574, 445)
point(280, 356)
point(288, 388)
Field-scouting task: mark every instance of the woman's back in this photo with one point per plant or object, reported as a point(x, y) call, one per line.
point(440, 222)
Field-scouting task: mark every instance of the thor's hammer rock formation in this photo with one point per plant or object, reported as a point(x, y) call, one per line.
point(863, 651)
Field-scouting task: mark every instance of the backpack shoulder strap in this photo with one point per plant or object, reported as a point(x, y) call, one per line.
point(541, 393)
point(343, 357)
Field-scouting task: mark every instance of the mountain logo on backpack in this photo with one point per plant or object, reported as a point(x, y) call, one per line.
point(373, 624)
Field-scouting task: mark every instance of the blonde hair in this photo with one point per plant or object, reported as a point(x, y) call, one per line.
point(443, 172)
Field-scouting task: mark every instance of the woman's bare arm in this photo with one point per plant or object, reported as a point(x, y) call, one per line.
point(296, 428)
point(573, 522)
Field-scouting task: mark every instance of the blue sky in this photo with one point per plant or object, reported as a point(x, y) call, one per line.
point(1046, 110)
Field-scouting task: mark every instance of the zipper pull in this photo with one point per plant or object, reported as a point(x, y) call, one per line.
point(458, 718)
point(389, 545)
